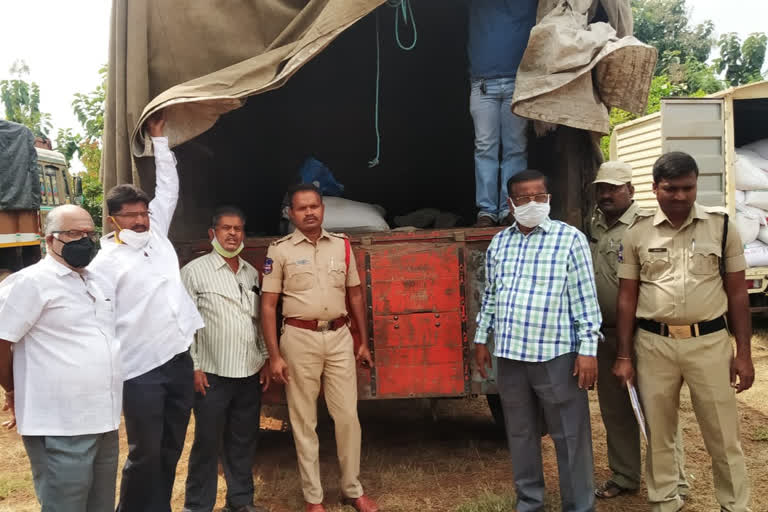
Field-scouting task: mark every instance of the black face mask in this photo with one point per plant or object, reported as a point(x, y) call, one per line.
point(78, 253)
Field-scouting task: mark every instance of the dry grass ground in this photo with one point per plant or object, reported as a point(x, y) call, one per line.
point(458, 463)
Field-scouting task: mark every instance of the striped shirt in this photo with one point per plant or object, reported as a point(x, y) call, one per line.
point(230, 344)
point(540, 296)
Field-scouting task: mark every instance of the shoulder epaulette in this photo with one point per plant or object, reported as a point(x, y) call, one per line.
point(281, 240)
point(645, 212)
point(720, 210)
point(641, 216)
point(338, 235)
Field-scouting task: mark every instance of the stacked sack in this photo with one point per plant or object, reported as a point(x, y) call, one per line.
point(751, 173)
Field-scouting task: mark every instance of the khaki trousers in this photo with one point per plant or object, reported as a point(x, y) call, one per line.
point(621, 430)
point(328, 358)
point(704, 364)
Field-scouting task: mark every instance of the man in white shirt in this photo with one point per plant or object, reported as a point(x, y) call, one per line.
point(156, 322)
point(229, 355)
point(63, 375)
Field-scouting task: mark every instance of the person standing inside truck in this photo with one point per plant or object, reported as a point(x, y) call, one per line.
point(314, 272)
point(615, 213)
point(156, 322)
point(228, 356)
point(497, 39)
point(681, 274)
point(541, 303)
point(63, 377)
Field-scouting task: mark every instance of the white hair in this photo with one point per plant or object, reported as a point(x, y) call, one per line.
point(53, 220)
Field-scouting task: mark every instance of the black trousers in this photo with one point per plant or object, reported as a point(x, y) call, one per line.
point(226, 425)
point(156, 406)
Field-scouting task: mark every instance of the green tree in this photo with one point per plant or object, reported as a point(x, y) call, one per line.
point(665, 24)
point(742, 63)
point(68, 143)
point(21, 101)
point(661, 87)
point(89, 109)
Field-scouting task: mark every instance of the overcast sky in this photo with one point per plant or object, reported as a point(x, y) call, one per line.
point(65, 42)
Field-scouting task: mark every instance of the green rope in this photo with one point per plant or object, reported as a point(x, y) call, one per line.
point(406, 12)
point(375, 161)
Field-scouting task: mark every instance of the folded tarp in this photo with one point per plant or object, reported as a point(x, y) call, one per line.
point(19, 180)
point(574, 71)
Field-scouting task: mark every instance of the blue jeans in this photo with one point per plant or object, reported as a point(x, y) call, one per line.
point(496, 125)
point(74, 473)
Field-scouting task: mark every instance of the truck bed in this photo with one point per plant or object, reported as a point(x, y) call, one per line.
point(422, 292)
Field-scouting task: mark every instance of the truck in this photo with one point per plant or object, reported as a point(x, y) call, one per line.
point(57, 186)
point(47, 184)
point(19, 199)
point(710, 129)
point(393, 125)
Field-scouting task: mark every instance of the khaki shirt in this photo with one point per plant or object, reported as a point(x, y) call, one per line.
point(678, 269)
point(605, 241)
point(312, 277)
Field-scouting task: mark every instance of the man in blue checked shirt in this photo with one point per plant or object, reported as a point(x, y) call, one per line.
point(541, 302)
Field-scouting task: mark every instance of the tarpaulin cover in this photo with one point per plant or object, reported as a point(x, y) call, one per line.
point(573, 71)
point(19, 181)
point(198, 60)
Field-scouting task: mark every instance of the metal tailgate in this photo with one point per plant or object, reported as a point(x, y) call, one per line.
point(696, 126)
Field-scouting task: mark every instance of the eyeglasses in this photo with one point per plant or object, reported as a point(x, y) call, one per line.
point(76, 234)
point(539, 198)
point(133, 215)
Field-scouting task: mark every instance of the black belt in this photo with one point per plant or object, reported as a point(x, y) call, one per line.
point(682, 331)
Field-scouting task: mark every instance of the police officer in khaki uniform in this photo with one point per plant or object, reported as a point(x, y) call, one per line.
point(681, 276)
point(615, 213)
point(315, 272)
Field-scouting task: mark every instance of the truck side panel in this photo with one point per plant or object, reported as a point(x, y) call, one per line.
point(422, 293)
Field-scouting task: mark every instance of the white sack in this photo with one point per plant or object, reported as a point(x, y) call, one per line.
point(754, 157)
point(740, 196)
point(349, 216)
point(756, 255)
point(757, 198)
point(748, 227)
point(760, 147)
point(749, 174)
point(762, 235)
point(753, 211)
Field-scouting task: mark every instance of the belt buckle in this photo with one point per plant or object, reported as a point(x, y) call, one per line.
point(679, 332)
point(323, 325)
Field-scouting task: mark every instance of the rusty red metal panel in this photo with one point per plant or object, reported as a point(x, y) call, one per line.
point(414, 277)
point(417, 327)
point(419, 355)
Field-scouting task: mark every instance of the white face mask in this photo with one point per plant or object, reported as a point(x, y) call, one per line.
point(133, 239)
point(532, 214)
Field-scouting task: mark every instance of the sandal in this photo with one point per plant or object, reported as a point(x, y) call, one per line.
point(610, 489)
